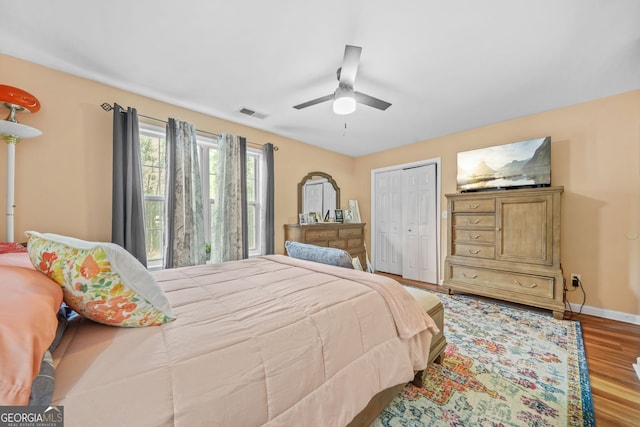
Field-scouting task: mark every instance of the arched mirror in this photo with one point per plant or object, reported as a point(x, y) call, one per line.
point(318, 192)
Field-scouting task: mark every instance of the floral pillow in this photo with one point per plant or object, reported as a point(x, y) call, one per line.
point(100, 281)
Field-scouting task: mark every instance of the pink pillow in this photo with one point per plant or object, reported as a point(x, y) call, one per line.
point(17, 259)
point(11, 247)
point(28, 322)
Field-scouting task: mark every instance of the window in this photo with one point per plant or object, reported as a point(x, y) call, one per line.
point(152, 156)
point(152, 149)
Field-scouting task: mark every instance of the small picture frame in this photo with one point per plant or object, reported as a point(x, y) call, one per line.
point(311, 218)
point(303, 219)
point(319, 217)
point(348, 215)
point(353, 205)
point(329, 216)
point(339, 215)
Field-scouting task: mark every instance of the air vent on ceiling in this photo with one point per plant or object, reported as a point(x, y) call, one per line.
point(252, 113)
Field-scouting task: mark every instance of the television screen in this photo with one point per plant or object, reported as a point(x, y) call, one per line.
point(515, 165)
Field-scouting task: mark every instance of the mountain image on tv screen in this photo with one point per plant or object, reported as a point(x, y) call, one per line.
point(514, 165)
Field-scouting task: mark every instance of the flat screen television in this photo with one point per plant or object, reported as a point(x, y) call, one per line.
point(515, 165)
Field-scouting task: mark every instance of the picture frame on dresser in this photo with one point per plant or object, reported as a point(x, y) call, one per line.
point(330, 216)
point(302, 219)
point(348, 216)
point(355, 210)
point(339, 215)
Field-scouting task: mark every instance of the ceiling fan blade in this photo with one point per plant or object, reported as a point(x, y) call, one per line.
point(350, 65)
point(371, 101)
point(313, 102)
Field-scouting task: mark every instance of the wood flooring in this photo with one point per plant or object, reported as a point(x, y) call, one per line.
point(611, 348)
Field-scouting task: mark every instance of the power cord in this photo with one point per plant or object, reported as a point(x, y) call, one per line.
point(575, 288)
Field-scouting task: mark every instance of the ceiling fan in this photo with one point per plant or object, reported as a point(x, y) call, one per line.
point(345, 97)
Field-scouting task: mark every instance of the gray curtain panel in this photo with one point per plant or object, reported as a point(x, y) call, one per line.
point(268, 246)
point(184, 226)
point(243, 197)
point(230, 212)
point(127, 212)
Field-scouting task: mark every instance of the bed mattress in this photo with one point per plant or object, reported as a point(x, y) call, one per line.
point(265, 341)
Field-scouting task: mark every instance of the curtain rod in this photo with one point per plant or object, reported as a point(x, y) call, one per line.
point(108, 107)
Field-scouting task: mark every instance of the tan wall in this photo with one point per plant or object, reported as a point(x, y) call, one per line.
point(596, 157)
point(63, 178)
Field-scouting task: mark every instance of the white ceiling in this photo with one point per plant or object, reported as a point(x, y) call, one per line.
point(446, 66)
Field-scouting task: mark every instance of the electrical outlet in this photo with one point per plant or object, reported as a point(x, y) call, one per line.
point(575, 280)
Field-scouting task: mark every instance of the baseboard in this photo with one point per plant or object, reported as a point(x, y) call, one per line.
point(607, 314)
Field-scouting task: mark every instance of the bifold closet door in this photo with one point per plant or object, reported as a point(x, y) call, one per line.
point(388, 226)
point(419, 256)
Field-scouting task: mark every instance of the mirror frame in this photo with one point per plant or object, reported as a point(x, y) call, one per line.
point(307, 178)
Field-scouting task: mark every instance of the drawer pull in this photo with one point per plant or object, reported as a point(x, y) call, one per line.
point(472, 221)
point(469, 276)
point(533, 285)
point(474, 237)
point(472, 207)
point(472, 251)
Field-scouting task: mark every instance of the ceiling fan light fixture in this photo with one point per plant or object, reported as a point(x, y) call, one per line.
point(344, 101)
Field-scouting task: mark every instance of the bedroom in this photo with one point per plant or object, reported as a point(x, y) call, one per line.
point(596, 157)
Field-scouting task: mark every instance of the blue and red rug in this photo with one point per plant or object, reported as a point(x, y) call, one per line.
point(503, 366)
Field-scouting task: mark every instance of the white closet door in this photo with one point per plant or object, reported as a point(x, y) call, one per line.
point(420, 224)
point(388, 227)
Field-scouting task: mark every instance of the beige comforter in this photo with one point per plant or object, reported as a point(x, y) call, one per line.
point(270, 340)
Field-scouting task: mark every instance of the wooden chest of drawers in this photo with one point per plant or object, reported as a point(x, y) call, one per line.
point(347, 236)
point(506, 245)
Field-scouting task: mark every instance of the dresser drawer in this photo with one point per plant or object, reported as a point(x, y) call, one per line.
point(512, 282)
point(355, 242)
point(471, 205)
point(475, 251)
point(345, 233)
point(474, 236)
point(464, 220)
point(340, 244)
point(312, 235)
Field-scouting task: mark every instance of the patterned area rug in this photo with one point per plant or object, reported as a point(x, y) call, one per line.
point(503, 366)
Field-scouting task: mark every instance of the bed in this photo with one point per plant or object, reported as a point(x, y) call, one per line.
point(266, 341)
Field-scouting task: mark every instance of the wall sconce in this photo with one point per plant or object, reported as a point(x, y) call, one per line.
point(15, 100)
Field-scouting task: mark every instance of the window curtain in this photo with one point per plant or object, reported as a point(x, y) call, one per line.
point(230, 237)
point(184, 243)
point(268, 201)
point(127, 209)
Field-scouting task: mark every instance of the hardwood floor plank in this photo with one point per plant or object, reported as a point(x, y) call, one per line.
point(613, 413)
point(613, 390)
